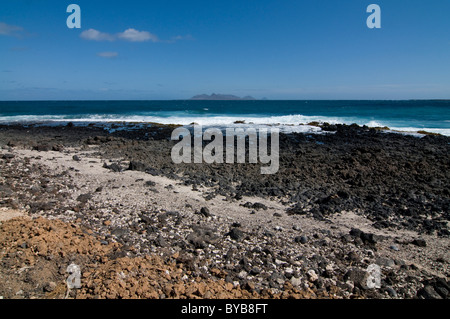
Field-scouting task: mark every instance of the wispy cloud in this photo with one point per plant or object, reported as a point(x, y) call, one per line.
point(134, 35)
point(10, 30)
point(131, 35)
point(108, 55)
point(95, 35)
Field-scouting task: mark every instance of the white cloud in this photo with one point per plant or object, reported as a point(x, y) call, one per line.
point(130, 34)
point(95, 35)
point(107, 54)
point(134, 35)
point(9, 30)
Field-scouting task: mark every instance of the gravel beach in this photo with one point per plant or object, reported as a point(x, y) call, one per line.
point(110, 200)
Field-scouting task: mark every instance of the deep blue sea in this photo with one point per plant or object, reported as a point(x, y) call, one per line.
point(408, 116)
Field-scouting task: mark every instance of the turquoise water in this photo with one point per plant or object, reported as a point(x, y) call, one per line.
point(414, 115)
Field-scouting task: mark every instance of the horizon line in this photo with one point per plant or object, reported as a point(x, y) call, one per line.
point(220, 100)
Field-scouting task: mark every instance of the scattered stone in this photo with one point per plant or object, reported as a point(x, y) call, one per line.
point(419, 242)
point(255, 271)
point(301, 239)
point(205, 212)
point(114, 167)
point(353, 256)
point(356, 232)
point(391, 292)
point(150, 183)
point(256, 206)
point(152, 171)
point(367, 238)
point(58, 148)
point(41, 206)
point(288, 271)
point(436, 288)
point(428, 292)
point(242, 275)
point(312, 276)
point(202, 236)
point(50, 286)
point(41, 147)
point(8, 156)
point(76, 158)
point(137, 166)
point(385, 262)
point(84, 198)
point(278, 228)
point(160, 241)
point(296, 209)
point(296, 282)
point(236, 234)
point(358, 276)
point(119, 232)
point(394, 247)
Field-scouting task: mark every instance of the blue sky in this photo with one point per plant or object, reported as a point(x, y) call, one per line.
point(175, 49)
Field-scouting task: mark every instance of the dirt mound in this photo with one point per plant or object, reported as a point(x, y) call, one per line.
point(35, 254)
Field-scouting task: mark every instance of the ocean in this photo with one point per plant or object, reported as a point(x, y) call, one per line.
point(290, 116)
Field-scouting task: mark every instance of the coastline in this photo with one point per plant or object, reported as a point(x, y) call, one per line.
point(290, 116)
point(291, 234)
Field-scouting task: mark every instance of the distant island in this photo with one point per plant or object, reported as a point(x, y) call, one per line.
point(218, 97)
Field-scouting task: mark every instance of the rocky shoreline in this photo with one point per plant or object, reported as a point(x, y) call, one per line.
point(148, 228)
